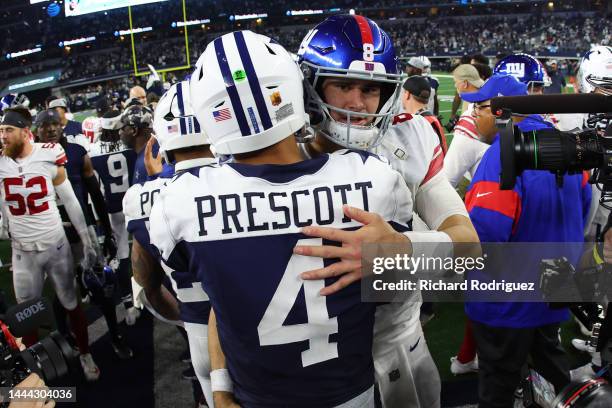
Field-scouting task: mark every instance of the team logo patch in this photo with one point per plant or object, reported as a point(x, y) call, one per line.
point(239, 75)
point(222, 114)
point(369, 66)
point(276, 99)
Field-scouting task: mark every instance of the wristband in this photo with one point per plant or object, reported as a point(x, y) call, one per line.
point(424, 244)
point(220, 380)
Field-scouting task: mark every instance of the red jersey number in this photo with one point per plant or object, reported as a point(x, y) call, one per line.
point(26, 204)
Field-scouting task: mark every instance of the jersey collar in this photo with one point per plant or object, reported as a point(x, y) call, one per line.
point(187, 164)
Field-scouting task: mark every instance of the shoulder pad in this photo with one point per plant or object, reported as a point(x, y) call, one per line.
point(52, 152)
point(81, 140)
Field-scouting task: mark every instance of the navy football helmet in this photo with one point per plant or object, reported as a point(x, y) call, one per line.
point(525, 68)
point(350, 47)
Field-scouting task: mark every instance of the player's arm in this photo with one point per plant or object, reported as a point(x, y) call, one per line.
point(456, 105)
point(149, 274)
point(64, 191)
point(93, 188)
point(221, 382)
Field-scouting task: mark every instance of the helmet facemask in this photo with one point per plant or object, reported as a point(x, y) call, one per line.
point(346, 134)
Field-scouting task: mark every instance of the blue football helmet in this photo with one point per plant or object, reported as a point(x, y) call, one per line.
point(525, 68)
point(356, 48)
point(12, 100)
point(99, 279)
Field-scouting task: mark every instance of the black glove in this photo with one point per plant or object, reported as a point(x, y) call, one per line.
point(109, 248)
point(451, 123)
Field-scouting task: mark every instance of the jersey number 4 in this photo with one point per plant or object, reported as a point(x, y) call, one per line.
point(28, 203)
point(319, 327)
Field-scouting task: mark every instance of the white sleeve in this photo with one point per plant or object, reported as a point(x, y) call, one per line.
point(159, 229)
point(437, 200)
point(462, 156)
point(74, 210)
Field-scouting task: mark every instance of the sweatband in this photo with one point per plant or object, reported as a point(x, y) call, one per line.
point(430, 244)
point(220, 380)
point(12, 118)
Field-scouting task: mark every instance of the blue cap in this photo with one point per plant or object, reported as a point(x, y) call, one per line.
point(497, 85)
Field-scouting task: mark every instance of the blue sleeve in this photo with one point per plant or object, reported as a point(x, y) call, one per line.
point(493, 212)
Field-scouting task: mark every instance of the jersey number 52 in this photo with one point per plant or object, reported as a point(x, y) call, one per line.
point(28, 203)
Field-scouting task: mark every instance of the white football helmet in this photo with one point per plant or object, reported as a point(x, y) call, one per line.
point(596, 70)
point(174, 124)
point(246, 92)
point(92, 128)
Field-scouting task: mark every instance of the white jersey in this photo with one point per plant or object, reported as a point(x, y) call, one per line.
point(81, 140)
point(413, 149)
point(29, 197)
point(466, 150)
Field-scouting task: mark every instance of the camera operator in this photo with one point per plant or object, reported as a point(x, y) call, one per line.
point(508, 333)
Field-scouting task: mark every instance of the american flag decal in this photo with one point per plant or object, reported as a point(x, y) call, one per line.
point(222, 114)
point(172, 128)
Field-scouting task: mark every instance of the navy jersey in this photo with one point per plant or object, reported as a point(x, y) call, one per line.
point(140, 171)
point(234, 226)
point(114, 164)
point(76, 148)
point(73, 128)
point(194, 306)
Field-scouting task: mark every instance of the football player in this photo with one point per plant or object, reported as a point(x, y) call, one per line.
point(135, 130)
point(113, 162)
point(234, 225)
point(352, 84)
point(32, 174)
point(176, 129)
point(526, 69)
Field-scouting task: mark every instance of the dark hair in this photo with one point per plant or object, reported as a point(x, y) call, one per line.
point(484, 71)
point(152, 97)
point(466, 59)
point(480, 58)
point(23, 111)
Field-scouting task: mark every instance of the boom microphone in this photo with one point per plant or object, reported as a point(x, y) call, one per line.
point(25, 318)
point(560, 103)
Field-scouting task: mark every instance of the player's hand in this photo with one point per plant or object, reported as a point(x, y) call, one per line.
point(90, 258)
point(109, 247)
point(374, 230)
point(152, 164)
point(224, 400)
point(32, 381)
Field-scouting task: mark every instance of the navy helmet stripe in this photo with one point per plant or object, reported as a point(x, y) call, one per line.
point(196, 125)
point(231, 88)
point(179, 98)
point(253, 80)
point(183, 125)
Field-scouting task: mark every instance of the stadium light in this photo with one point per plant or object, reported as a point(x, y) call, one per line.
point(23, 52)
